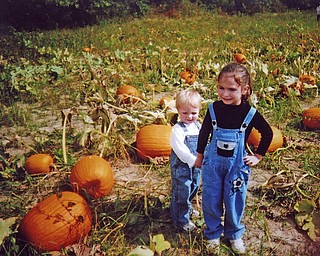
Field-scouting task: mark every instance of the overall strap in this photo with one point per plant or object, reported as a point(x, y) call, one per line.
point(197, 123)
point(183, 126)
point(213, 117)
point(248, 119)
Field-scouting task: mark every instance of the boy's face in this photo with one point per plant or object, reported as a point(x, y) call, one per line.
point(188, 114)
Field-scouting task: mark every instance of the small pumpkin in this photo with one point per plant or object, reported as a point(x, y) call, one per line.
point(128, 94)
point(311, 118)
point(188, 76)
point(94, 174)
point(56, 222)
point(308, 79)
point(39, 164)
point(153, 141)
point(86, 49)
point(239, 57)
point(277, 139)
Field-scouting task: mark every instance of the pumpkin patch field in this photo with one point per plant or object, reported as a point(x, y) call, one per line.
point(85, 123)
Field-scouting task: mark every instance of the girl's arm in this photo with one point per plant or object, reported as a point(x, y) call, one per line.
point(266, 137)
point(204, 133)
point(199, 160)
point(265, 130)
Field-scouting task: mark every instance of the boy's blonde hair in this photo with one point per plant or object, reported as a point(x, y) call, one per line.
point(188, 97)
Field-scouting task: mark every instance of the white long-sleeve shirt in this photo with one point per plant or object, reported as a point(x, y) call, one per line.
point(177, 142)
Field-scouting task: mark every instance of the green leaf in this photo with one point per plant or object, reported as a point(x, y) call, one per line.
point(309, 226)
point(159, 244)
point(301, 218)
point(5, 227)
point(305, 205)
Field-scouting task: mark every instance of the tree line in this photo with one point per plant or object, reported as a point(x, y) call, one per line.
point(50, 14)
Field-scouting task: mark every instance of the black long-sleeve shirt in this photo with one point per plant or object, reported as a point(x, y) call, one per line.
point(231, 117)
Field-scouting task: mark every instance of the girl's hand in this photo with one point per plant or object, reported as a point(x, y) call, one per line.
point(252, 160)
point(198, 161)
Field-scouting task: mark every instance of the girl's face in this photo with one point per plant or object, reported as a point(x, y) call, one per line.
point(188, 114)
point(229, 90)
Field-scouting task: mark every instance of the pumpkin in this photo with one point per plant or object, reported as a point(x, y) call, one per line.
point(153, 141)
point(277, 139)
point(188, 76)
point(127, 94)
point(56, 222)
point(39, 164)
point(86, 49)
point(93, 174)
point(308, 79)
point(240, 58)
point(311, 118)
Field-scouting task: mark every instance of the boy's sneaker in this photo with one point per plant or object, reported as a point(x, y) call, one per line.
point(190, 226)
point(238, 246)
point(194, 213)
point(213, 246)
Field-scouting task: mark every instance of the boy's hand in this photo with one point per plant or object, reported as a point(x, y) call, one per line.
point(252, 160)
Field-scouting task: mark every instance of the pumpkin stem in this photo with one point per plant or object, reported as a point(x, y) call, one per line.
point(65, 119)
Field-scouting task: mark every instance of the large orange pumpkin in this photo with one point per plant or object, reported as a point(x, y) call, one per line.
point(311, 118)
point(128, 93)
point(39, 164)
point(94, 174)
point(57, 221)
point(277, 139)
point(153, 141)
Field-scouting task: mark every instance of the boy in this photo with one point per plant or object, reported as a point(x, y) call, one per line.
point(185, 177)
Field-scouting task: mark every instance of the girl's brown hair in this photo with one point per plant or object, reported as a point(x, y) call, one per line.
point(241, 76)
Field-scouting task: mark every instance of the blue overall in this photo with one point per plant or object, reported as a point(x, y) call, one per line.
point(185, 182)
point(225, 180)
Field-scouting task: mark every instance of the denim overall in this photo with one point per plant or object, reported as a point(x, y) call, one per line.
point(225, 180)
point(185, 182)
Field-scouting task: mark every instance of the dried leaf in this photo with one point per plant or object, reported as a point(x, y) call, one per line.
point(5, 227)
point(141, 251)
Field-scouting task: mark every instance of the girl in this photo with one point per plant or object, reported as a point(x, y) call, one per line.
point(225, 164)
point(185, 178)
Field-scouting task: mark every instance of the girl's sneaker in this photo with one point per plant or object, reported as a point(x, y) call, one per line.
point(238, 246)
point(190, 226)
point(213, 246)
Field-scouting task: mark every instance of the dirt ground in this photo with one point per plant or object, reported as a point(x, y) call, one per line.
point(270, 230)
point(276, 235)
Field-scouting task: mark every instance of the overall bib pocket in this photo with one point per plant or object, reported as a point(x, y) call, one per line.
point(225, 148)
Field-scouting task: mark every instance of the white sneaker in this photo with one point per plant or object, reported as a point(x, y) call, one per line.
point(213, 246)
point(190, 226)
point(194, 213)
point(238, 246)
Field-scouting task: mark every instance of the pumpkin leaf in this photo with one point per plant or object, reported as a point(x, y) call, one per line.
point(301, 218)
point(305, 205)
point(5, 227)
point(304, 217)
point(141, 251)
point(309, 226)
point(158, 244)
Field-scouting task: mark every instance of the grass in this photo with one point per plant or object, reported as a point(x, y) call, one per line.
point(49, 71)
